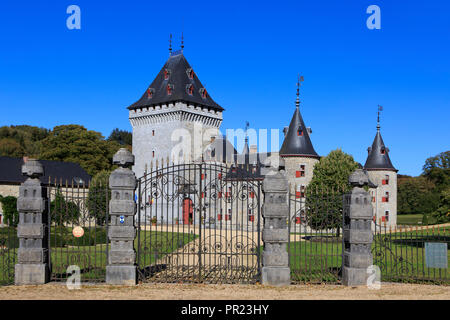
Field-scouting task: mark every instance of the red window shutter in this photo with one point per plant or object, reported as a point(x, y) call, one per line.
point(297, 220)
point(219, 176)
point(252, 194)
point(251, 218)
point(203, 176)
point(383, 181)
point(219, 195)
point(219, 217)
point(383, 218)
point(297, 174)
point(297, 194)
point(373, 199)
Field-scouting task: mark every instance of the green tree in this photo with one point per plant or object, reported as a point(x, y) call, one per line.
point(442, 213)
point(63, 211)
point(99, 196)
point(74, 143)
point(10, 213)
point(11, 148)
point(122, 137)
point(324, 193)
point(416, 195)
point(437, 169)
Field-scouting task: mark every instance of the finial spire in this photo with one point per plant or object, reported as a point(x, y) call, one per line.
point(170, 44)
point(247, 125)
point(299, 83)
point(182, 42)
point(380, 108)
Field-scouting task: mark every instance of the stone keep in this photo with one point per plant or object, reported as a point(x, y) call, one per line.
point(32, 257)
point(357, 232)
point(275, 260)
point(121, 268)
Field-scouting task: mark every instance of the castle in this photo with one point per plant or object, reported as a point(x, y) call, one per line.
point(177, 119)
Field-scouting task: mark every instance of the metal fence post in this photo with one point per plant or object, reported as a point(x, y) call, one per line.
point(32, 257)
point(275, 259)
point(357, 231)
point(121, 268)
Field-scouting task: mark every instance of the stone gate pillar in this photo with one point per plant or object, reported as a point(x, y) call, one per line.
point(32, 256)
point(357, 232)
point(275, 259)
point(121, 268)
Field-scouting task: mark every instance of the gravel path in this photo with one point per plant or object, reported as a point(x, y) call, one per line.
point(388, 291)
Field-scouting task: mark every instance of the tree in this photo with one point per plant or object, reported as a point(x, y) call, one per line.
point(324, 193)
point(442, 213)
point(122, 137)
point(437, 169)
point(416, 195)
point(74, 143)
point(10, 213)
point(11, 148)
point(63, 211)
point(98, 197)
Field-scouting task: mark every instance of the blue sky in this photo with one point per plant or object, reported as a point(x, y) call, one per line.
point(248, 55)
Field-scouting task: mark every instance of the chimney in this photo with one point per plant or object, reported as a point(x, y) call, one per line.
point(253, 148)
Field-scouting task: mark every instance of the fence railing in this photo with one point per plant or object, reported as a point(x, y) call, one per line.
point(412, 254)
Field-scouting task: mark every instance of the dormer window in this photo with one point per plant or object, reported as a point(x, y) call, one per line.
point(169, 89)
point(383, 150)
point(190, 89)
point(203, 93)
point(150, 92)
point(300, 132)
point(166, 74)
point(190, 73)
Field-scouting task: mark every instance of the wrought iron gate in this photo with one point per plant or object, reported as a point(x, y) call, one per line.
point(79, 216)
point(315, 240)
point(199, 222)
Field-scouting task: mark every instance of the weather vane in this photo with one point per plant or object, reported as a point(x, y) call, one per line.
point(380, 108)
point(170, 44)
point(300, 79)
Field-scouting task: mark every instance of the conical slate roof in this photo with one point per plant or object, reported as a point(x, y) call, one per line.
point(297, 141)
point(378, 158)
point(178, 77)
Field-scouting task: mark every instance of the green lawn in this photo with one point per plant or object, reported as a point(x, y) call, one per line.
point(409, 219)
point(88, 252)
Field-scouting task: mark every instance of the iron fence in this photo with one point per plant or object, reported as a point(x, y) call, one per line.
point(9, 243)
point(315, 235)
point(78, 217)
point(405, 254)
point(199, 222)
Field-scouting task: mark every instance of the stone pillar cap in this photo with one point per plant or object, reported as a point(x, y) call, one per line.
point(123, 158)
point(358, 178)
point(32, 168)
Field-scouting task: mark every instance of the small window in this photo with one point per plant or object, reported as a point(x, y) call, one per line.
point(190, 73)
point(153, 133)
point(299, 132)
point(385, 181)
point(203, 93)
point(383, 150)
point(190, 89)
point(166, 74)
point(153, 153)
point(150, 92)
point(386, 214)
point(169, 89)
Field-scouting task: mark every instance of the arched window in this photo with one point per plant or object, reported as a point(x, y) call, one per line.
point(203, 93)
point(190, 73)
point(190, 89)
point(150, 92)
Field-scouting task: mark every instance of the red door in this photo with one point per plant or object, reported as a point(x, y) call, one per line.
point(188, 210)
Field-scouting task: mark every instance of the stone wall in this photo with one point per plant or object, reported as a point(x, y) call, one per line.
point(293, 164)
point(164, 120)
point(380, 207)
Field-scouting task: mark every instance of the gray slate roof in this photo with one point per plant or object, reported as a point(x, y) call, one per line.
point(378, 160)
point(295, 145)
point(178, 77)
point(11, 171)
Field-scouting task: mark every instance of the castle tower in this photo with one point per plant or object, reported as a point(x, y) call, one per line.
point(384, 175)
point(298, 152)
point(175, 118)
